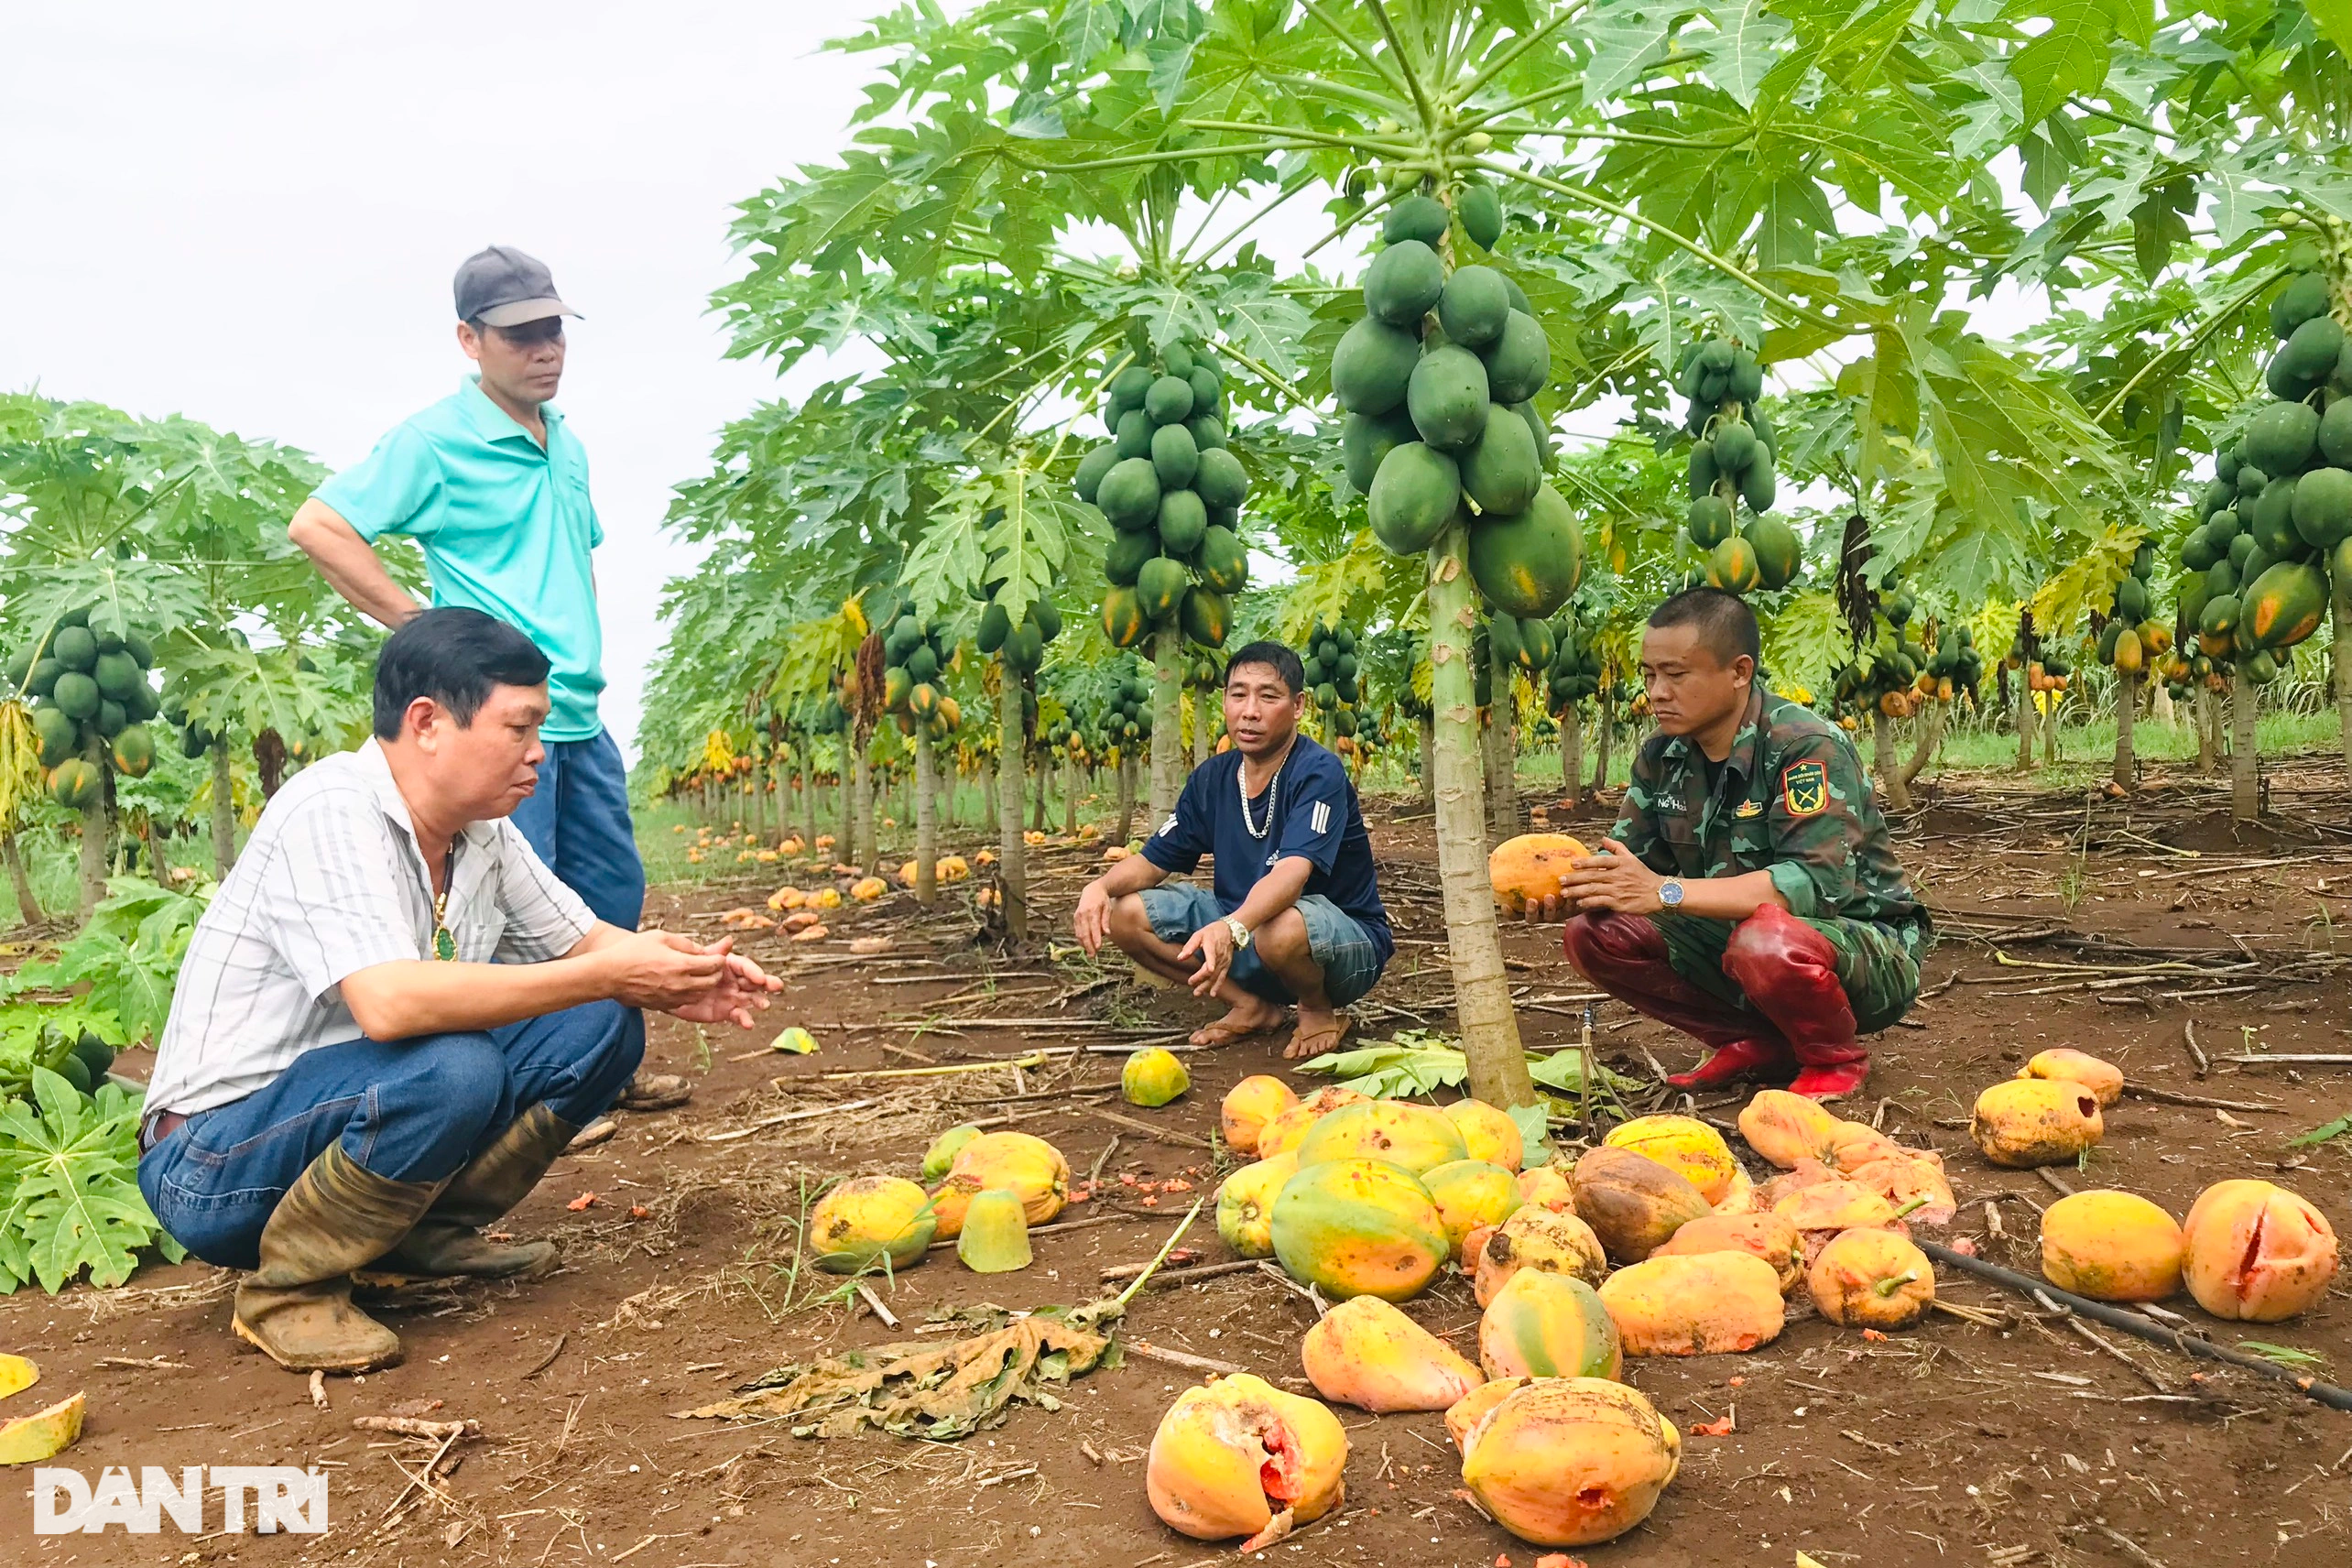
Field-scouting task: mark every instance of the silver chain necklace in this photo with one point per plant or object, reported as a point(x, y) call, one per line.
point(1273, 785)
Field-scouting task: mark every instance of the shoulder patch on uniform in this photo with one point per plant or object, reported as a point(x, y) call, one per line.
point(1804, 788)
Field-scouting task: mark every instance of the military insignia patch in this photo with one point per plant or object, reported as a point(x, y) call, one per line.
point(1804, 788)
point(1749, 809)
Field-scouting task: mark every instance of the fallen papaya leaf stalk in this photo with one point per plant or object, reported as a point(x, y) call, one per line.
point(941, 1392)
point(2132, 1324)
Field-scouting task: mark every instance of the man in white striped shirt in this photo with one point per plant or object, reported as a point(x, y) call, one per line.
point(393, 1018)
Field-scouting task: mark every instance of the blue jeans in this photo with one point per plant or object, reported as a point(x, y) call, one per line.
point(578, 822)
point(1336, 940)
point(411, 1110)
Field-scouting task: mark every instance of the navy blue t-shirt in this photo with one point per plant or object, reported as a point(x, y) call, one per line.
point(1315, 818)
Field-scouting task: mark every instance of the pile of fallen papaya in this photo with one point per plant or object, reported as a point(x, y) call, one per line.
point(1658, 1242)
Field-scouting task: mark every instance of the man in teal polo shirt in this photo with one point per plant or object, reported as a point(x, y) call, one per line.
point(494, 486)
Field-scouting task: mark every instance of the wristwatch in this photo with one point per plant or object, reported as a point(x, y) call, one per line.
point(1240, 933)
point(1670, 893)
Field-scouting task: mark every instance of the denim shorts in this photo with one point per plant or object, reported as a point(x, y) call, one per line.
point(1337, 941)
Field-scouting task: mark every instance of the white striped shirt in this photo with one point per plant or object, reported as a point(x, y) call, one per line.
point(332, 883)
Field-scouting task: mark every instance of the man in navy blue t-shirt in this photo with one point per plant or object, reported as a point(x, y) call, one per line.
point(1295, 916)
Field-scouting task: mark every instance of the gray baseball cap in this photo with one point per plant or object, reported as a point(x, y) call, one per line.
point(501, 286)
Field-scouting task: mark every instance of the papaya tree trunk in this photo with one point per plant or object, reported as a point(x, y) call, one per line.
point(1502, 736)
point(1482, 994)
point(808, 798)
point(28, 907)
point(2339, 617)
point(2126, 712)
point(926, 819)
point(224, 814)
point(1930, 736)
point(1428, 761)
point(2201, 714)
point(1069, 795)
point(866, 854)
point(988, 790)
point(1571, 755)
point(2050, 730)
point(1038, 811)
point(1012, 856)
point(1891, 785)
point(2026, 720)
point(1607, 741)
point(2160, 704)
point(1126, 794)
point(1199, 730)
point(97, 832)
point(845, 841)
point(2245, 755)
point(1167, 720)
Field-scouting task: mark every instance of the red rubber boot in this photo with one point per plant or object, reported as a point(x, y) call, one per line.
point(1789, 971)
point(1626, 956)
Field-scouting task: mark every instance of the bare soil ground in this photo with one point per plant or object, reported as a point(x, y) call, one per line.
point(2012, 1445)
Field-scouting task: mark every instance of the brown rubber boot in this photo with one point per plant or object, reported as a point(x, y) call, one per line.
point(295, 1307)
point(449, 1239)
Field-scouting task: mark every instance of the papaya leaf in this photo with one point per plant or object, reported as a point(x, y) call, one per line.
point(2068, 60)
point(1417, 1063)
point(2340, 1127)
point(1745, 46)
point(69, 1201)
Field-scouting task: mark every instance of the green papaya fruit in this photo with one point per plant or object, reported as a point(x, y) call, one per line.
point(1224, 563)
point(1519, 361)
point(1415, 217)
point(77, 695)
point(1097, 462)
point(1129, 494)
point(1447, 397)
point(1480, 208)
point(1221, 479)
point(1365, 440)
point(1372, 368)
point(1174, 457)
point(1403, 284)
point(1529, 563)
point(1475, 307)
point(1183, 522)
point(1414, 495)
point(1710, 521)
point(1134, 439)
point(74, 647)
point(1159, 587)
point(1169, 401)
point(1501, 470)
point(2322, 507)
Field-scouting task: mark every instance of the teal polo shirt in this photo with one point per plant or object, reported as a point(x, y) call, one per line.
point(507, 526)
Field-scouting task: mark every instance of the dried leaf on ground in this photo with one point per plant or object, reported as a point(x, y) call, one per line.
point(929, 1390)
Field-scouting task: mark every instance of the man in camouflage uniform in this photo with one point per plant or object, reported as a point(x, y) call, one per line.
point(1749, 896)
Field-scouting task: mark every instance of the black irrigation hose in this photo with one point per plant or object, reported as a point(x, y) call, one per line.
point(2139, 1327)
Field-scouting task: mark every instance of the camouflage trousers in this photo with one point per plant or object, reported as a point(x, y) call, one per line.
point(1877, 969)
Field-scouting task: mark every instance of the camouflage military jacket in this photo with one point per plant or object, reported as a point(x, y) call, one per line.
point(1793, 800)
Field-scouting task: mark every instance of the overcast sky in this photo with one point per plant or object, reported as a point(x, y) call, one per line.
point(249, 214)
